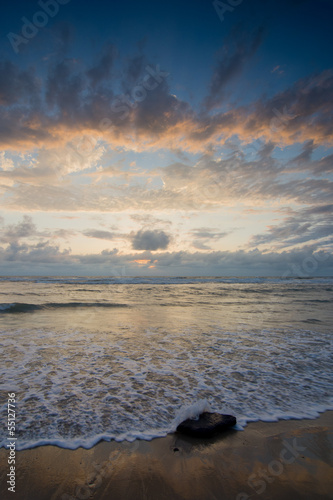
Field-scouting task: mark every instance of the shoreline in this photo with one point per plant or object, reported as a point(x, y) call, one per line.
point(289, 459)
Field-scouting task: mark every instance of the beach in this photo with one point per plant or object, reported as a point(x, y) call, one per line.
point(97, 373)
point(271, 461)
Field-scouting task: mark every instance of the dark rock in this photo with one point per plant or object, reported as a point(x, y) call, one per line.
point(207, 425)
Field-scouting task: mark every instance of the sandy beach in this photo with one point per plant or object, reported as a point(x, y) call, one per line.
point(289, 459)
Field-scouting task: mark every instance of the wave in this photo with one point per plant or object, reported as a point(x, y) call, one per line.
point(130, 437)
point(143, 386)
point(19, 307)
point(162, 280)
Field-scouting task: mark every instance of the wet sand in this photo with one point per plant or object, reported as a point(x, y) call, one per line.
point(286, 460)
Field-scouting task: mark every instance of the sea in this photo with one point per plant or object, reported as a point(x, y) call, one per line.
point(121, 358)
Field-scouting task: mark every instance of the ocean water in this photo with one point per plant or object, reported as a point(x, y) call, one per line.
point(125, 358)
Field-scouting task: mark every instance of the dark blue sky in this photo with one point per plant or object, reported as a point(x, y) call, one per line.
point(185, 37)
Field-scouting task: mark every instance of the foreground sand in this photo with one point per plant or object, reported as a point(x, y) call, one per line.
point(277, 461)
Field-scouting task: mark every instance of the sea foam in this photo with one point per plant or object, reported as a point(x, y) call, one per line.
point(76, 388)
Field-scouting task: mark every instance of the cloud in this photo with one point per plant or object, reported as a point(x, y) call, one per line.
point(64, 234)
point(6, 163)
point(150, 240)
point(202, 236)
point(18, 86)
point(310, 225)
point(235, 53)
point(63, 34)
point(133, 72)
point(101, 71)
point(291, 114)
point(105, 257)
point(50, 166)
point(207, 233)
point(24, 249)
point(277, 69)
point(96, 233)
point(207, 184)
point(74, 100)
point(149, 220)
point(304, 161)
point(43, 258)
point(306, 155)
point(14, 232)
point(63, 89)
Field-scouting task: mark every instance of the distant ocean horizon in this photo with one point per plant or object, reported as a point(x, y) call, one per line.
point(158, 279)
point(95, 357)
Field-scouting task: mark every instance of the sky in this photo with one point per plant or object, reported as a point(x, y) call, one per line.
point(179, 138)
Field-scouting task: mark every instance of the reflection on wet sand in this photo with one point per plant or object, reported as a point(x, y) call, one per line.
point(283, 460)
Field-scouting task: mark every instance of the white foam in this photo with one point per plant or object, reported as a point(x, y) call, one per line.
point(76, 388)
point(6, 307)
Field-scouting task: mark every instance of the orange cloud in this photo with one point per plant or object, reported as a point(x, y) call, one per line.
point(298, 114)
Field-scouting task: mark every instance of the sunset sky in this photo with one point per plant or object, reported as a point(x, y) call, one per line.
point(181, 138)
